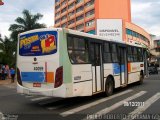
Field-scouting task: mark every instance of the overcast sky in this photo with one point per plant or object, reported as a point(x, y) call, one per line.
point(145, 13)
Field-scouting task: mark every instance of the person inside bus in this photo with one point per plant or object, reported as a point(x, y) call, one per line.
point(72, 56)
point(79, 59)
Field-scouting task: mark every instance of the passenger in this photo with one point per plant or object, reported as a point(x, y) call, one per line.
point(72, 56)
point(79, 60)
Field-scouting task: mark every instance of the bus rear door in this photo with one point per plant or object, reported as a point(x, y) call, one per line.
point(123, 65)
point(96, 60)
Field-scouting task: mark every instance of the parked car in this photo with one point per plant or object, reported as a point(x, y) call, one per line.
point(153, 70)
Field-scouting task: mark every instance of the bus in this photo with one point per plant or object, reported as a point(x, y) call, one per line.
point(59, 62)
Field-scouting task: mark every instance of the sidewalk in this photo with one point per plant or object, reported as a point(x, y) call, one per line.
point(7, 82)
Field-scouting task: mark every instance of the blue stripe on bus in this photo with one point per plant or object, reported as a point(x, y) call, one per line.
point(116, 68)
point(122, 68)
point(33, 76)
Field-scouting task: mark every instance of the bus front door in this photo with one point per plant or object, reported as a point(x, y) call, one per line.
point(123, 66)
point(96, 59)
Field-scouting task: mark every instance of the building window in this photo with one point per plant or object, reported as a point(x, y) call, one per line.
point(133, 34)
point(79, 9)
point(71, 21)
point(64, 9)
point(57, 21)
point(71, 13)
point(64, 25)
point(79, 18)
point(57, 1)
point(72, 28)
point(90, 23)
point(129, 32)
point(64, 2)
point(91, 32)
point(57, 7)
point(89, 3)
point(64, 17)
point(78, 1)
point(89, 13)
point(81, 26)
point(137, 35)
point(71, 5)
point(57, 14)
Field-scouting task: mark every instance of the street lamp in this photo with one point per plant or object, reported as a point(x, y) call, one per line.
point(1, 3)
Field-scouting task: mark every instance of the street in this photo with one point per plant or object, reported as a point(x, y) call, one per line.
point(126, 103)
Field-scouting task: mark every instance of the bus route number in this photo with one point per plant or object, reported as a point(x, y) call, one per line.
point(38, 68)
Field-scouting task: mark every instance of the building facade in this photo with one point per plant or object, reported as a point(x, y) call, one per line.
point(88, 15)
point(155, 50)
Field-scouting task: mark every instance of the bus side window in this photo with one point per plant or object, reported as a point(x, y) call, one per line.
point(92, 56)
point(135, 54)
point(140, 55)
point(130, 54)
point(114, 53)
point(107, 53)
point(77, 50)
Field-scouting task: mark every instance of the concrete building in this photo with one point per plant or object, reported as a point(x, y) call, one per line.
point(155, 50)
point(110, 18)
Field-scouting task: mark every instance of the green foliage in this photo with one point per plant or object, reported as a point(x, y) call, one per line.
point(25, 23)
point(8, 49)
point(8, 46)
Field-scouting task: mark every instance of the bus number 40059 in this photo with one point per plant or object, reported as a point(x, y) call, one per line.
point(38, 68)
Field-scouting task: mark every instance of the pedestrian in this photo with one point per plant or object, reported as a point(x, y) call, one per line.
point(0, 72)
point(12, 73)
point(7, 71)
point(3, 72)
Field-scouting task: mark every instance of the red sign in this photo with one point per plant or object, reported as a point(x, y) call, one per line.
point(36, 84)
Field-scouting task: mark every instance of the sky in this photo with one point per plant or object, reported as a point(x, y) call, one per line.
point(145, 13)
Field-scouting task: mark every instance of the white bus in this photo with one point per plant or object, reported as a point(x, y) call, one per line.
point(66, 63)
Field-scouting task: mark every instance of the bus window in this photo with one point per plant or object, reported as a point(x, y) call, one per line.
point(78, 50)
point(70, 43)
point(114, 53)
point(107, 53)
point(135, 54)
point(130, 54)
point(140, 55)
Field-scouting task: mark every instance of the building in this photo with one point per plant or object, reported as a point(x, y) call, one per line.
point(111, 18)
point(155, 50)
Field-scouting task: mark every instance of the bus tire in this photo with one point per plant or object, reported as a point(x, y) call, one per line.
point(109, 86)
point(141, 78)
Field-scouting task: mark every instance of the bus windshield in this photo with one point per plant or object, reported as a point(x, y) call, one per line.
point(38, 43)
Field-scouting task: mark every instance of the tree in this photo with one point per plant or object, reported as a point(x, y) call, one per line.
point(25, 23)
point(7, 48)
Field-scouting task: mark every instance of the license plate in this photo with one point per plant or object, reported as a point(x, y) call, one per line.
point(36, 84)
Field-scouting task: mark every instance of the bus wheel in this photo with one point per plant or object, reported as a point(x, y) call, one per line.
point(109, 86)
point(141, 78)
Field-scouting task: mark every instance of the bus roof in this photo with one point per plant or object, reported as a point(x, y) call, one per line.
point(75, 32)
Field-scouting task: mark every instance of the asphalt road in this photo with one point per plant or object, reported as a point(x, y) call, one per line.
point(132, 102)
